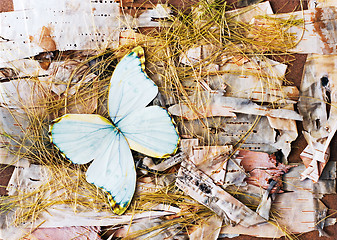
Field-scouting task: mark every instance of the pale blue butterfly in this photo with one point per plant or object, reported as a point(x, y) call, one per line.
point(149, 130)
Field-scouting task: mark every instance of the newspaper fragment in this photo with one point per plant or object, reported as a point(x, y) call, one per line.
point(262, 168)
point(30, 178)
point(34, 26)
point(258, 79)
point(256, 71)
point(321, 3)
point(212, 160)
point(245, 131)
point(129, 37)
point(266, 201)
point(13, 125)
point(248, 13)
point(187, 145)
point(286, 132)
point(209, 229)
point(160, 233)
point(63, 216)
point(298, 212)
point(216, 162)
point(319, 121)
point(22, 94)
point(318, 32)
point(201, 55)
point(201, 187)
point(70, 25)
point(325, 185)
point(235, 174)
point(212, 104)
point(79, 233)
point(166, 164)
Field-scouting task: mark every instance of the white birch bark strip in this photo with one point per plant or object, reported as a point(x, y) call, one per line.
point(200, 187)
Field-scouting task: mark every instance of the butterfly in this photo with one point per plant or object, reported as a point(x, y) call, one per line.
point(132, 125)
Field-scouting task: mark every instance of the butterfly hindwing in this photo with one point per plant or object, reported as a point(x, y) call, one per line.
point(86, 137)
point(114, 171)
point(130, 87)
point(150, 131)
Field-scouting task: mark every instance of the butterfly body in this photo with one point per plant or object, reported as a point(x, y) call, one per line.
point(90, 137)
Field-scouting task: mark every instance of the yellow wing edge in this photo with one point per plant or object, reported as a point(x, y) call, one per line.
point(116, 208)
point(139, 148)
point(139, 51)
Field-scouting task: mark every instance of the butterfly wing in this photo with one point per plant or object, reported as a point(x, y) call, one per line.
point(150, 131)
point(114, 171)
point(86, 137)
point(130, 87)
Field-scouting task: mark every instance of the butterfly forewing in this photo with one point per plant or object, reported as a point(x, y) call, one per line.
point(130, 88)
point(79, 135)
